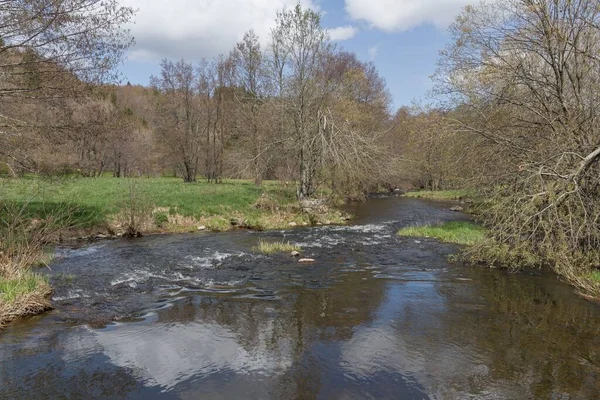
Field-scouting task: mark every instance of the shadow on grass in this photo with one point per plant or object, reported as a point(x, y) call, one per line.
point(63, 214)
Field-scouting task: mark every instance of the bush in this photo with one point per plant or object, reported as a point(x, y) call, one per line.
point(135, 215)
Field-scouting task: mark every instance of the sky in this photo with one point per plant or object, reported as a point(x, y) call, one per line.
point(401, 37)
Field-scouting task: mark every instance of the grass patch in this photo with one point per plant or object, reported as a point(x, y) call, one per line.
point(449, 195)
point(175, 206)
point(23, 295)
point(94, 200)
point(460, 232)
point(276, 247)
point(12, 289)
point(595, 277)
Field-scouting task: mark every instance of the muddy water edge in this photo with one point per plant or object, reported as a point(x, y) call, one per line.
point(203, 316)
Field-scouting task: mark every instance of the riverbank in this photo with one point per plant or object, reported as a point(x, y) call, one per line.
point(37, 212)
point(106, 206)
point(482, 249)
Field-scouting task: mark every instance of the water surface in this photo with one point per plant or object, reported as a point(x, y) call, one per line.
point(202, 316)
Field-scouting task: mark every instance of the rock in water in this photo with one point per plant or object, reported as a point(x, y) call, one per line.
point(306, 260)
point(202, 228)
point(295, 254)
point(457, 208)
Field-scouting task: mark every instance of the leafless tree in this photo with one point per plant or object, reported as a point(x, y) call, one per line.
point(525, 74)
point(299, 43)
point(252, 95)
point(179, 118)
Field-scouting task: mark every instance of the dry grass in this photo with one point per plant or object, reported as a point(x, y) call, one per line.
point(587, 283)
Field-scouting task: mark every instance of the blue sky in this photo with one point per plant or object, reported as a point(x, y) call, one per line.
point(402, 37)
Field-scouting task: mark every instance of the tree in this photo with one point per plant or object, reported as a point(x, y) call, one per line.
point(252, 84)
point(217, 82)
point(354, 125)
point(525, 75)
point(178, 114)
point(298, 45)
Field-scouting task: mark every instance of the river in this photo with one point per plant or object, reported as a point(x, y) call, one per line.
point(202, 316)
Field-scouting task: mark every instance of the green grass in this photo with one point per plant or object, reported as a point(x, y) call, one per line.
point(90, 202)
point(276, 247)
point(460, 232)
point(441, 194)
point(595, 277)
point(12, 289)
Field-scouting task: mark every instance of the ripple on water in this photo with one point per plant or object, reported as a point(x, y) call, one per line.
point(209, 261)
point(70, 295)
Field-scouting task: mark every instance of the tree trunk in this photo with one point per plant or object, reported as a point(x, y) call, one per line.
point(189, 172)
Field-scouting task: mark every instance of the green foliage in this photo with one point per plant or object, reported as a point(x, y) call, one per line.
point(460, 232)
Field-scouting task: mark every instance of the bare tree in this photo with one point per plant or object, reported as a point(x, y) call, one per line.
point(48, 48)
point(525, 74)
point(299, 43)
point(218, 94)
point(354, 124)
point(179, 119)
point(253, 89)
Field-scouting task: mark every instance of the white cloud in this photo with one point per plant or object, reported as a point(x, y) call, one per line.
point(199, 28)
point(342, 33)
point(164, 357)
point(402, 15)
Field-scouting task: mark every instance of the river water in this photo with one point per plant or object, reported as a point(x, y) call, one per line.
point(203, 316)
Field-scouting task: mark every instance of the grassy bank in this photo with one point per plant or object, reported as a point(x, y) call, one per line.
point(446, 195)
point(108, 205)
point(460, 232)
point(22, 294)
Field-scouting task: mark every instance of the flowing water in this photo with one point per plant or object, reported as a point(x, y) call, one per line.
point(203, 316)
